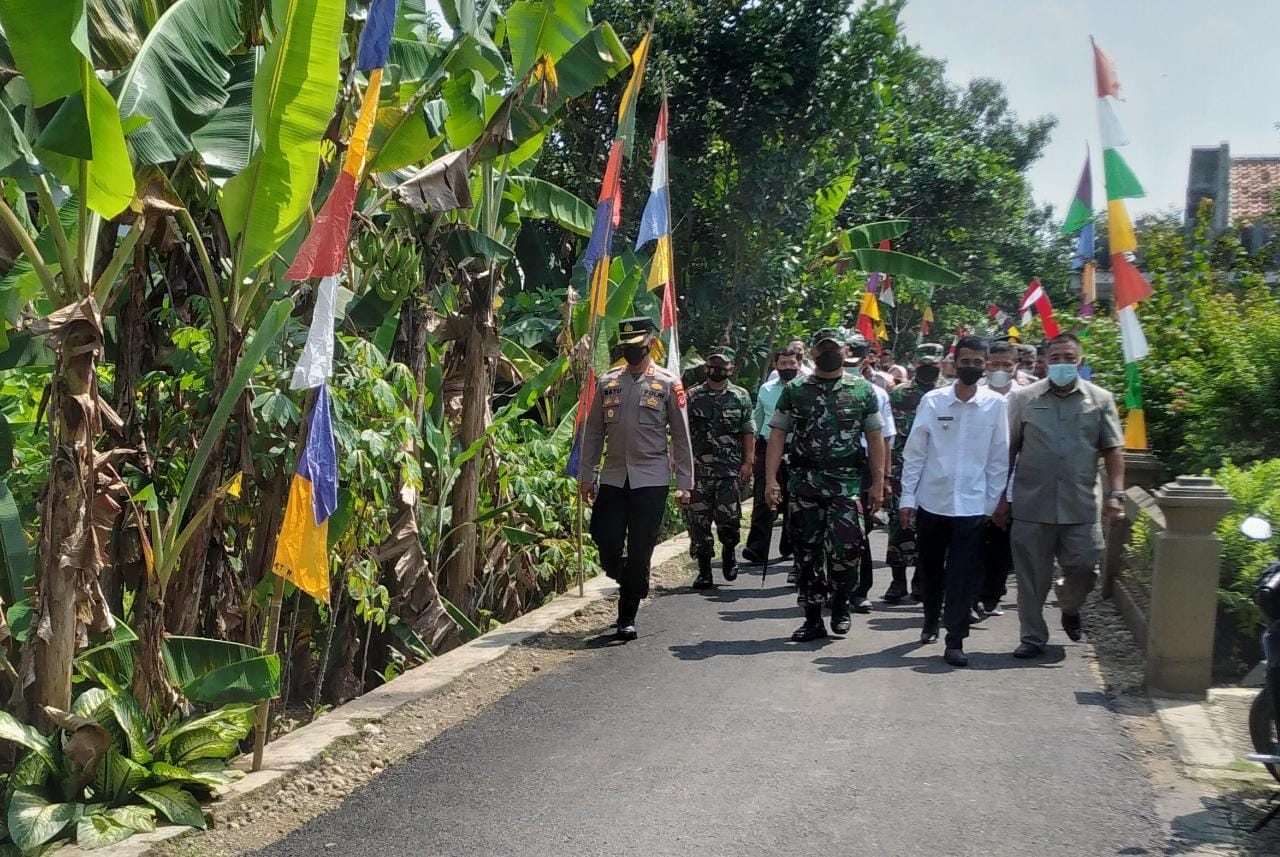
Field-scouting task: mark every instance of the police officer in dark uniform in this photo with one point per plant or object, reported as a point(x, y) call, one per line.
point(635, 410)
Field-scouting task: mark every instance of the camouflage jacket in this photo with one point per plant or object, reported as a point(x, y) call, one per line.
point(826, 418)
point(905, 399)
point(717, 421)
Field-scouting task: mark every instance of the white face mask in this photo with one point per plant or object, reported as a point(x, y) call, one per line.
point(999, 378)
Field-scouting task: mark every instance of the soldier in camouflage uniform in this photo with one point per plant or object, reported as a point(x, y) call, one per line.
point(825, 414)
point(723, 435)
point(905, 398)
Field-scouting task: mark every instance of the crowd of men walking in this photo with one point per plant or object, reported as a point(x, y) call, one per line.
point(983, 460)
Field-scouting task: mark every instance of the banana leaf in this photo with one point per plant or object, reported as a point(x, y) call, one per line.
point(542, 200)
point(19, 568)
point(225, 143)
point(43, 37)
point(902, 265)
point(293, 99)
point(871, 234)
point(180, 76)
point(537, 28)
point(87, 128)
point(219, 672)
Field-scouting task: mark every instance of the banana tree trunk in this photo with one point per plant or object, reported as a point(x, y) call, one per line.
point(69, 556)
point(477, 381)
point(407, 573)
point(186, 592)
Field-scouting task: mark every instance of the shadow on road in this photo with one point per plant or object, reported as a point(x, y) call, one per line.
point(928, 659)
point(1226, 821)
point(791, 612)
point(715, 648)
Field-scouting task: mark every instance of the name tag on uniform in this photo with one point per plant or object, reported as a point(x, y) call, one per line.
point(946, 422)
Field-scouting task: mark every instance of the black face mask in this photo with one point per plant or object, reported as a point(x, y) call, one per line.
point(927, 373)
point(968, 374)
point(717, 373)
point(829, 361)
point(634, 354)
point(788, 374)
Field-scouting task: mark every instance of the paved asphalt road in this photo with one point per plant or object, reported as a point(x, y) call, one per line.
point(713, 734)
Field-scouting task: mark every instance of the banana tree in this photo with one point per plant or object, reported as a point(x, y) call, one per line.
point(477, 193)
point(114, 108)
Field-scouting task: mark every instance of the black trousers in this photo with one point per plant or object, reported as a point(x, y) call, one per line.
point(760, 536)
point(631, 519)
point(997, 565)
point(949, 562)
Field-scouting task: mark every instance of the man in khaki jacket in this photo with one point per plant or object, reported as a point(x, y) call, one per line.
point(1058, 427)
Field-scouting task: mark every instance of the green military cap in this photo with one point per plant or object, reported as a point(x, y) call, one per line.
point(827, 333)
point(856, 341)
point(724, 352)
point(929, 352)
point(634, 330)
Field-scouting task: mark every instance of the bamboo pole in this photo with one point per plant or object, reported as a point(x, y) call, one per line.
point(581, 560)
point(271, 628)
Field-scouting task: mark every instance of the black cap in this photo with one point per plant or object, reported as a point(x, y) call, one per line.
point(635, 330)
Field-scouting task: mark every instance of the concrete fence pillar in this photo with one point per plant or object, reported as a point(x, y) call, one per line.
point(1184, 586)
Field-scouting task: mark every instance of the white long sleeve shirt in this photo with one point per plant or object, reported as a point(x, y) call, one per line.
point(956, 460)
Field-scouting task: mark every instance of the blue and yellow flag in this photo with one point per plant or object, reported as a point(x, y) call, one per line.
point(302, 551)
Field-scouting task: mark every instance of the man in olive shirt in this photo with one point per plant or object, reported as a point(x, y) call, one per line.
point(634, 410)
point(1057, 429)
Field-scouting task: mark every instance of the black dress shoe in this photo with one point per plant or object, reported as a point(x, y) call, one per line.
point(975, 616)
point(861, 605)
point(841, 623)
point(917, 596)
point(791, 577)
point(1026, 651)
point(1071, 624)
point(929, 634)
point(748, 555)
point(627, 632)
point(703, 581)
point(956, 657)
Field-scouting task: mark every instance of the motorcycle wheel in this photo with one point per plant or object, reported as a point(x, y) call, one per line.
point(1262, 728)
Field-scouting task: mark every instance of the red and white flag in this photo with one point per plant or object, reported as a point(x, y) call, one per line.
point(1036, 300)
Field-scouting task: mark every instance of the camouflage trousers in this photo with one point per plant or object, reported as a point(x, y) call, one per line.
point(715, 499)
point(902, 543)
point(826, 535)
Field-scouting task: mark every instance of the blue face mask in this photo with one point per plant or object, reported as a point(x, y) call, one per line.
point(1063, 374)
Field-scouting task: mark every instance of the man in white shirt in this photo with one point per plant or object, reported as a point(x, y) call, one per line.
point(955, 467)
point(858, 354)
point(1002, 366)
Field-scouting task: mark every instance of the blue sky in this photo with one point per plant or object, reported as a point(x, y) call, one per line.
point(1192, 72)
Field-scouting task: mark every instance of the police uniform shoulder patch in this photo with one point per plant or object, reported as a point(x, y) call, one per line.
point(678, 389)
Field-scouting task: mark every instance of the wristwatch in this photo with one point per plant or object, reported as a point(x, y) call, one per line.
point(1115, 495)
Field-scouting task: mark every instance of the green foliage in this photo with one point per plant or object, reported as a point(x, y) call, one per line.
point(125, 785)
point(1211, 385)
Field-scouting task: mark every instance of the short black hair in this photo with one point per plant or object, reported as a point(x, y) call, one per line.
point(973, 343)
point(1064, 338)
point(1002, 346)
point(785, 352)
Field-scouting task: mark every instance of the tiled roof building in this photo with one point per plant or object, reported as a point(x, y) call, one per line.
point(1254, 183)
